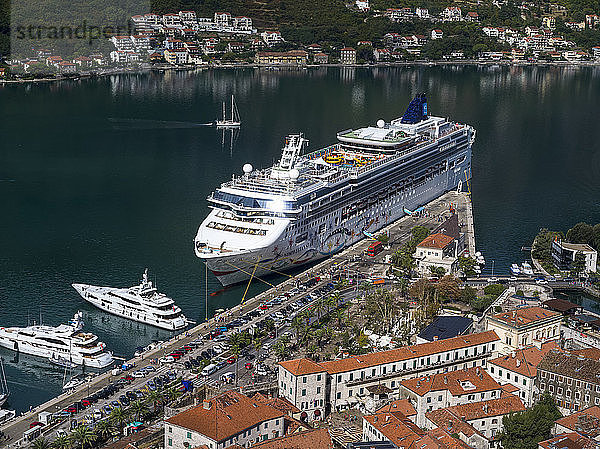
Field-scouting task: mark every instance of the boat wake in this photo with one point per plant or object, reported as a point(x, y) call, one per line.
point(134, 123)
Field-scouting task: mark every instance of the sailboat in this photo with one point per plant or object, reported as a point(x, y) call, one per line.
point(230, 122)
point(4, 391)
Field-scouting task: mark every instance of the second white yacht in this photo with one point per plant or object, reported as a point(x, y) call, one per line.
point(64, 342)
point(142, 303)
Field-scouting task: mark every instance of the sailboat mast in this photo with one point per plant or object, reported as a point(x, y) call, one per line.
point(223, 111)
point(232, 108)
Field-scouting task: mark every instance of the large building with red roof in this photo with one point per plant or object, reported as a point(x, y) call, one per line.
point(442, 390)
point(519, 368)
point(525, 326)
point(317, 388)
point(228, 419)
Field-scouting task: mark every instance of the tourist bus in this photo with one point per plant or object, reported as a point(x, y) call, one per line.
point(374, 248)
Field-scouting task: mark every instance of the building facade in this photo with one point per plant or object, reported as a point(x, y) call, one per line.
point(571, 379)
point(228, 419)
point(523, 327)
point(564, 255)
point(519, 368)
point(346, 381)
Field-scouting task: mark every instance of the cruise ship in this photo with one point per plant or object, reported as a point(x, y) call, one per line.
point(64, 342)
point(142, 303)
point(311, 205)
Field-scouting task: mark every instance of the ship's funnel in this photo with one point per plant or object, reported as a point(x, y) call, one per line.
point(416, 111)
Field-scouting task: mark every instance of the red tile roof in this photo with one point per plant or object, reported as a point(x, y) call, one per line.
point(436, 241)
point(585, 421)
point(396, 427)
point(408, 352)
point(301, 367)
point(486, 409)
point(472, 380)
point(228, 415)
point(451, 423)
point(400, 405)
point(525, 361)
point(310, 439)
point(568, 441)
point(280, 404)
point(525, 316)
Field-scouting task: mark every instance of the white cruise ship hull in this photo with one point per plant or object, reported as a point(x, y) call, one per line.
point(310, 206)
point(283, 255)
point(100, 298)
point(30, 346)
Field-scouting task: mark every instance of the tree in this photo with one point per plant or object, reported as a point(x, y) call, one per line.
point(62, 442)
point(494, 290)
point(524, 430)
point(280, 350)
point(104, 429)
point(118, 417)
point(467, 294)
point(41, 443)
point(449, 288)
point(138, 409)
point(581, 233)
point(467, 265)
point(83, 436)
point(437, 271)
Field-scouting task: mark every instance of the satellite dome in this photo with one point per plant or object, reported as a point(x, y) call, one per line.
point(294, 173)
point(380, 123)
point(247, 168)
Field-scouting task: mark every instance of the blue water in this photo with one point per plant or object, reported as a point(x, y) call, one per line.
point(101, 178)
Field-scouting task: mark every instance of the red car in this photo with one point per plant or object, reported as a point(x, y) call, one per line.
point(248, 365)
point(35, 423)
point(85, 402)
point(175, 355)
point(231, 360)
point(263, 307)
point(71, 409)
point(272, 335)
point(214, 334)
point(187, 348)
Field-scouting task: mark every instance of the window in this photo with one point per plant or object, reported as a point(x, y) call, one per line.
point(304, 380)
point(494, 420)
point(440, 398)
point(429, 400)
point(492, 369)
point(338, 396)
point(318, 377)
point(339, 378)
point(266, 425)
point(349, 392)
point(559, 390)
point(170, 441)
point(170, 429)
point(304, 392)
point(524, 381)
point(189, 435)
point(351, 376)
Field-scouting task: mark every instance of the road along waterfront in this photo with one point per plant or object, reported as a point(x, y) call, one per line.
point(350, 259)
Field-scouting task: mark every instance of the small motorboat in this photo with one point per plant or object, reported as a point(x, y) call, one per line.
point(514, 269)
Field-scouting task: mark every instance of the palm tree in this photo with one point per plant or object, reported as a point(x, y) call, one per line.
point(104, 429)
point(83, 436)
point(298, 325)
point(172, 393)
point(280, 350)
point(339, 314)
point(62, 442)
point(155, 398)
point(138, 409)
point(41, 443)
point(118, 417)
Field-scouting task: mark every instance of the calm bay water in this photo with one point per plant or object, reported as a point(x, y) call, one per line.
point(102, 178)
